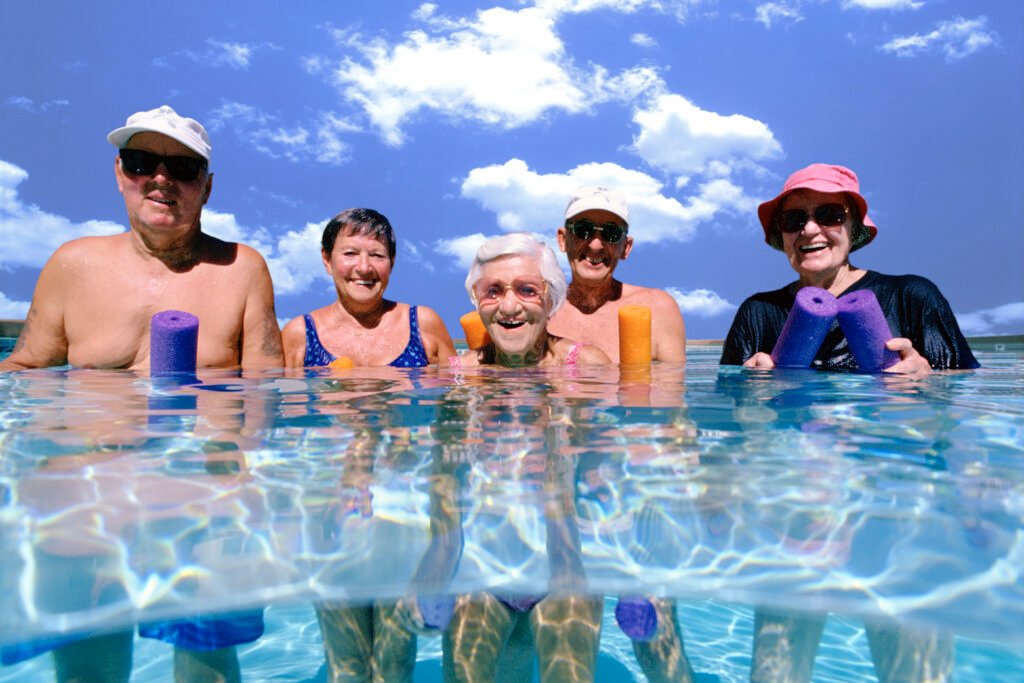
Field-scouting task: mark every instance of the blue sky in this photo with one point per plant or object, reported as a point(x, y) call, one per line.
point(461, 120)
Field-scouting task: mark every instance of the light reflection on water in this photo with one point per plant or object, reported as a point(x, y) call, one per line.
point(862, 495)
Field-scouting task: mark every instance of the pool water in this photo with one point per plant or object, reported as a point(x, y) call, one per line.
point(863, 496)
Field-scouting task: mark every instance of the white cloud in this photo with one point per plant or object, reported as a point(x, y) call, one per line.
point(883, 4)
point(410, 254)
point(642, 40)
point(503, 67)
point(525, 200)
point(680, 137)
point(1008, 318)
point(700, 302)
point(318, 140)
point(462, 249)
point(35, 232)
point(956, 39)
point(12, 310)
point(681, 9)
point(771, 12)
point(30, 105)
point(220, 53)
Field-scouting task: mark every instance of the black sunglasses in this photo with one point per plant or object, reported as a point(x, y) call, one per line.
point(139, 162)
point(826, 215)
point(585, 228)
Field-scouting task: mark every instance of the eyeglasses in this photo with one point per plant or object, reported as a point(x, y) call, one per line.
point(826, 215)
point(489, 291)
point(138, 162)
point(585, 228)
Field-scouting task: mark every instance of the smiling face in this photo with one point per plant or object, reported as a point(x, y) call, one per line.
point(517, 320)
point(360, 267)
point(158, 204)
point(816, 252)
point(593, 261)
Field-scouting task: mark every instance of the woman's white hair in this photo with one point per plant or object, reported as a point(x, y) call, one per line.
point(524, 245)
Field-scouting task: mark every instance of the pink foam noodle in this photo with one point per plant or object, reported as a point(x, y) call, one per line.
point(866, 330)
point(809, 321)
point(173, 342)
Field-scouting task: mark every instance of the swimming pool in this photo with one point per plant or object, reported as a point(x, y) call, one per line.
point(860, 495)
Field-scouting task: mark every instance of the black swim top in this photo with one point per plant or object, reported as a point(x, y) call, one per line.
point(414, 355)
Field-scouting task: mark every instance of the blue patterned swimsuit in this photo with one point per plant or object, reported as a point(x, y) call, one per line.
point(414, 355)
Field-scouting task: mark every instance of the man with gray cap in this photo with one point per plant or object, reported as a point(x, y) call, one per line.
point(595, 237)
point(95, 296)
point(92, 308)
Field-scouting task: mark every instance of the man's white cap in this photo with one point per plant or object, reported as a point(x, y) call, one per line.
point(165, 121)
point(596, 197)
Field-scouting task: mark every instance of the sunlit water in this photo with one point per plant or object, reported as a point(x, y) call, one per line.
point(854, 494)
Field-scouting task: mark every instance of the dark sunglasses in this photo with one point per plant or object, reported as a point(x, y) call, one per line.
point(826, 215)
point(139, 162)
point(585, 228)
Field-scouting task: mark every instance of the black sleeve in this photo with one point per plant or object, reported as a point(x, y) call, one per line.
point(756, 327)
point(928, 321)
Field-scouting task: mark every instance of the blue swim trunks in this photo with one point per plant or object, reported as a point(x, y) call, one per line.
point(199, 634)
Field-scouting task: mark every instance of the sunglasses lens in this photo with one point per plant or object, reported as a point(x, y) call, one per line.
point(793, 220)
point(612, 233)
point(583, 230)
point(183, 168)
point(138, 162)
point(830, 215)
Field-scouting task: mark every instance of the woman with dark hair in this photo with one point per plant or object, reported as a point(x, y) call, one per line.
point(358, 251)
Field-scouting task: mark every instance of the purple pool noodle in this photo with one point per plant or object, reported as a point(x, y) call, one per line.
point(520, 603)
point(809, 320)
point(436, 610)
point(636, 617)
point(866, 331)
point(173, 340)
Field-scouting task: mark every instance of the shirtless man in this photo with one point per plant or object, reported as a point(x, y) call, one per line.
point(95, 296)
point(92, 308)
point(595, 238)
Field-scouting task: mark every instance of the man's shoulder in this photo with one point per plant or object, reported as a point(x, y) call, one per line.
point(91, 250)
point(645, 296)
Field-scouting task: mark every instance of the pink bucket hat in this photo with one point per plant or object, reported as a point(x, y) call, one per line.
point(822, 178)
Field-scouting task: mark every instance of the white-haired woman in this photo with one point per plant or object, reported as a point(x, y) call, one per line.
point(516, 285)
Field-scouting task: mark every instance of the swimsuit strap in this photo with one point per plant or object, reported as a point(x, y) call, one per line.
point(573, 356)
point(414, 355)
point(316, 355)
point(455, 362)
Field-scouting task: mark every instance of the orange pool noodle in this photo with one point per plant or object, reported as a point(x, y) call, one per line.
point(635, 335)
point(477, 335)
point(342, 363)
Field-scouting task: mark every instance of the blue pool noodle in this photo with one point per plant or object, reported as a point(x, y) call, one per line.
point(173, 342)
point(636, 617)
point(809, 320)
point(866, 330)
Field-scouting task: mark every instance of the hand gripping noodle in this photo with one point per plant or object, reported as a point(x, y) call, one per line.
point(635, 335)
point(477, 335)
point(866, 330)
point(636, 617)
point(436, 610)
point(813, 312)
point(173, 342)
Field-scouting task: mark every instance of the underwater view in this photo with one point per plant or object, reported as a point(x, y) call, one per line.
point(709, 497)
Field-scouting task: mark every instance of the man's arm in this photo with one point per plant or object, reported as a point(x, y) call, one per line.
point(668, 331)
point(261, 336)
point(43, 341)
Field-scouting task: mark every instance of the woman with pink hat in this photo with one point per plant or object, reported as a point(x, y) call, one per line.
point(817, 221)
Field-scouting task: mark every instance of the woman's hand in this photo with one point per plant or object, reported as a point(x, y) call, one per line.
point(911, 362)
point(759, 360)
